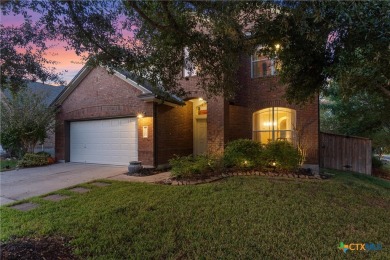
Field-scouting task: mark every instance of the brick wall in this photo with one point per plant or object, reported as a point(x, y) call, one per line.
point(174, 131)
point(217, 124)
point(102, 95)
point(266, 92)
point(145, 144)
point(240, 123)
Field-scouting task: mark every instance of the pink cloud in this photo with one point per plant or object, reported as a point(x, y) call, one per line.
point(68, 63)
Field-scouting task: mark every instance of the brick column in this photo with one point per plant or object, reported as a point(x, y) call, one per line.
point(217, 124)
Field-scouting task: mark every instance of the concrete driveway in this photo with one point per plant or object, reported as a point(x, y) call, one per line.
point(25, 183)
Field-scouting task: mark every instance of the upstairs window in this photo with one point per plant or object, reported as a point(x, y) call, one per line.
point(189, 67)
point(262, 66)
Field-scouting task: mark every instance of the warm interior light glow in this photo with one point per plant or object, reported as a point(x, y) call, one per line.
point(274, 164)
point(277, 46)
point(200, 99)
point(269, 123)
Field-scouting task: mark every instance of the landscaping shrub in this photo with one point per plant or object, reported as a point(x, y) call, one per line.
point(43, 153)
point(50, 160)
point(31, 160)
point(187, 167)
point(376, 162)
point(243, 154)
point(281, 155)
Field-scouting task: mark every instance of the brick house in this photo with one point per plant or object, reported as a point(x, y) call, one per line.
point(111, 119)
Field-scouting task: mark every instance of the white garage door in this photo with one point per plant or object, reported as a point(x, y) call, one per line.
point(110, 141)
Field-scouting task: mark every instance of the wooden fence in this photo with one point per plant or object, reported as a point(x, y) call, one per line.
point(345, 153)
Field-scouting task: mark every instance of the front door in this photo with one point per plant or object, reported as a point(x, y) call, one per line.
point(200, 140)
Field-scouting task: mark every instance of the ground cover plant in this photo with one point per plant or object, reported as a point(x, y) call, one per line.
point(252, 217)
point(8, 164)
point(195, 167)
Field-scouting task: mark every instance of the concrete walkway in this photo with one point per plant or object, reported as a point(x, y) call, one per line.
point(25, 183)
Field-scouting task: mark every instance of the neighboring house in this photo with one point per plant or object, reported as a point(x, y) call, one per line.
point(110, 119)
point(51, 93)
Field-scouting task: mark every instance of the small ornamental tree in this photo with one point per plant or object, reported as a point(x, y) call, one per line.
point(25, 121)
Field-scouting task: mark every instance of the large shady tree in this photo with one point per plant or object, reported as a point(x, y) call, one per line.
point(346, 42)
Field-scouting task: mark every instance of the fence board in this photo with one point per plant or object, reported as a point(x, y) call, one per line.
point(345, 153)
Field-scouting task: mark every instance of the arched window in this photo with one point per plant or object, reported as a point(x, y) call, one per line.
point(274, 123)
point(262, 66)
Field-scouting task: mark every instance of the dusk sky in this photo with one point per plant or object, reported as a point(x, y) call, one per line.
point(68, 62)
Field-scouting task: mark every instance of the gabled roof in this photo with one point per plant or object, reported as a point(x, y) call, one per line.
point(51, 92)
point(149, 93)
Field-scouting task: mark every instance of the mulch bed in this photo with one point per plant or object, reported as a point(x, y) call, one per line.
point(147, 172)
point(301, 174)
point(37, 248)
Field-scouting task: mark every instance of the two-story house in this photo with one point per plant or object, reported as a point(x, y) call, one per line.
point(111, 119)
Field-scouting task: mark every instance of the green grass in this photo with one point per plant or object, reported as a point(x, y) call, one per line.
point(6, 165)
point(249, 217)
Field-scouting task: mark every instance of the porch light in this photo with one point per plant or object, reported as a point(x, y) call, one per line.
point(277, 46)
point(274, 164)
point(140, 115)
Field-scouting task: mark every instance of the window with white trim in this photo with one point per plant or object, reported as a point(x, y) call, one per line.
point(274, 123)
point(262, 66)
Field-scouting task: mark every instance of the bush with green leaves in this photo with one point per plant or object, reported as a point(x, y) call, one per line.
point(281, 155)
point(243, 154)
point(376, 162)
point(43, 153)
point(187, 167)
point(31, 160)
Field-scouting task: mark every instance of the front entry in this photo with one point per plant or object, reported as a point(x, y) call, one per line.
point(199, 125)
point(200, 136)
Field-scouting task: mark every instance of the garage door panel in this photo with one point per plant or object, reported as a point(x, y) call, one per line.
point(111, 141)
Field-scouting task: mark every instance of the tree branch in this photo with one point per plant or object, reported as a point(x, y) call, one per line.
point(134, 5)
point(171, 19)
point(385, 90)
point(86, 33)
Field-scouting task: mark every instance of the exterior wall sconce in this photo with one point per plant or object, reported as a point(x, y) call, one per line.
point(141, 115)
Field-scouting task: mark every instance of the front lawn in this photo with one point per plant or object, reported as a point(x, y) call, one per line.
point(250, 217)
point(6, 165)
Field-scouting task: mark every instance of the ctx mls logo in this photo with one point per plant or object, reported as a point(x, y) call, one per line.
point(359, 247)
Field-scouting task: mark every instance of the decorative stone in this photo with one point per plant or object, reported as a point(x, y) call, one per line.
point(55, 197)
point(27, 206)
